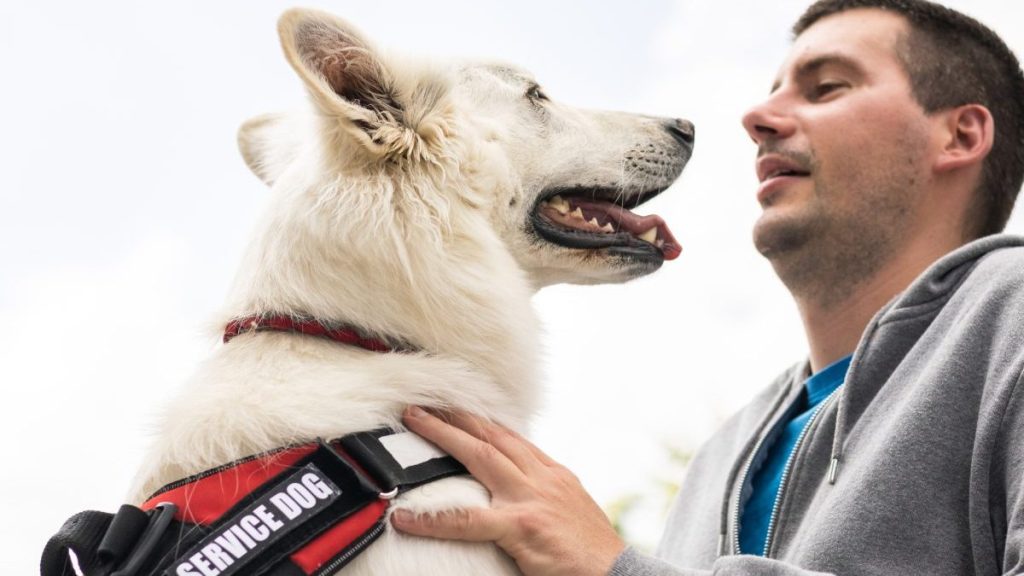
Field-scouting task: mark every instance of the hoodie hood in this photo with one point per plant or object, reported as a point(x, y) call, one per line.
point(898, 327)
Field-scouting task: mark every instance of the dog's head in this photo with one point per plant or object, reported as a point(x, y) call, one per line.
point(468, 142)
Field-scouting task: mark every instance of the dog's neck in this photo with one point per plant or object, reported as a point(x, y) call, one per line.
point(463, 297)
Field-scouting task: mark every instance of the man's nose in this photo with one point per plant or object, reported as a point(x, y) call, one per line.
point(768, 120)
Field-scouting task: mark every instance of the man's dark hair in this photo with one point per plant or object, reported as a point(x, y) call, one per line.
point(953, 60)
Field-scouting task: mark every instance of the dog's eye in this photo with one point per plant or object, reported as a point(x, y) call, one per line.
point(535, 94)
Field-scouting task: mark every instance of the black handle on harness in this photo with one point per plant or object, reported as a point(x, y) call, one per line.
point(103, 542)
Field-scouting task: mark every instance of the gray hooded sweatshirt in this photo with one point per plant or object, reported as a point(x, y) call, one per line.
point(915, 467)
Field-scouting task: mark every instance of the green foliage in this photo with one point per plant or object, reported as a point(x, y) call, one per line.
point(634, 509)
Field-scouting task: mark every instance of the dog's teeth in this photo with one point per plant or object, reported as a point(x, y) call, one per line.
point(594, 222)
point(649, 236)
point(660, 243)
point(608, 228)
point(559, 203)
point(577, 213)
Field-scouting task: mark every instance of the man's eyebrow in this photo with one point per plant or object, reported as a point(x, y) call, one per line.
point(812, 65)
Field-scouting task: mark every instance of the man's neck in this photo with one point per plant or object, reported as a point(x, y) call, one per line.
point(833, 329)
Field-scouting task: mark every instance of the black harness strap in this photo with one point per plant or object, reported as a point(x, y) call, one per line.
point(325, 505)
point(82, 534)
point(423, 463)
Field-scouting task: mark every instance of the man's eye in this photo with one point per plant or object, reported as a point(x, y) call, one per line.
point(535, 94)
point(826, 88)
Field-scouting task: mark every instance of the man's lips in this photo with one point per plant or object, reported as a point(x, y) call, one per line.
point(775, 171)
point(774, 165)
point(767, 190)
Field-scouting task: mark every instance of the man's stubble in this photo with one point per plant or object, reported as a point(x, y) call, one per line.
point(845, 234)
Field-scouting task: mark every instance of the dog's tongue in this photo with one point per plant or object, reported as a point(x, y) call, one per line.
point(636, 225)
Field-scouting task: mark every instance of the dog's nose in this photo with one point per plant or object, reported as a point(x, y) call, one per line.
point(682, 131)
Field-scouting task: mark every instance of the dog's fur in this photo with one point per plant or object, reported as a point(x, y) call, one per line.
point(401, 205)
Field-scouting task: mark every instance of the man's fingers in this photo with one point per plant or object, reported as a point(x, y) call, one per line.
point(519, 450)
point(537, 452)
point(540, 515)
point(485, 462)
point(469, 524)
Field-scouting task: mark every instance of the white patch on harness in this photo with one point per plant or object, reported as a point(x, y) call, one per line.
point(409, 449)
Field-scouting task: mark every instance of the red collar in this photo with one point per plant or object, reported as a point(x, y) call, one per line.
point(343, 334)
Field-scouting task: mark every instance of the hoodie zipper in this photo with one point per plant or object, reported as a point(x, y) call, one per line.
point(785, 475)
point(788, 468)
point(739, 491)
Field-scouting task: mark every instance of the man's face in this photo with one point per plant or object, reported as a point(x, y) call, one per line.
point(842, 152)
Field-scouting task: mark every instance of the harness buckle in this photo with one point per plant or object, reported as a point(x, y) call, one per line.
point(161, 518)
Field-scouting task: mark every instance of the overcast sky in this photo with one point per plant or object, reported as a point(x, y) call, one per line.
point(125, 208)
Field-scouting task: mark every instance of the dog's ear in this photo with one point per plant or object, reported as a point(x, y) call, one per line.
point(341, 70)
point(255, 137)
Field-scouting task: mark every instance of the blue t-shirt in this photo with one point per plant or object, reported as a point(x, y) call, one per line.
point(767, 477)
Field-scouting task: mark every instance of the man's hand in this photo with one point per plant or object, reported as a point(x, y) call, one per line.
point(540, 514)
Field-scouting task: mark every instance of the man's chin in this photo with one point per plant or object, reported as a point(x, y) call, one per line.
point(776, 234)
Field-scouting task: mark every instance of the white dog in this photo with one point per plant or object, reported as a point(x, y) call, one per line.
point(424, 204)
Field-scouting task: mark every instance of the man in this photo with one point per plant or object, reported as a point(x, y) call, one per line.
point(890, 151)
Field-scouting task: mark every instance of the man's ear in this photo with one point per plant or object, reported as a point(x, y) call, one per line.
point(969, 132)
point(342, 72)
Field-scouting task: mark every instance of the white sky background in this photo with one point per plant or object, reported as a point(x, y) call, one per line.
point(125, 207)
